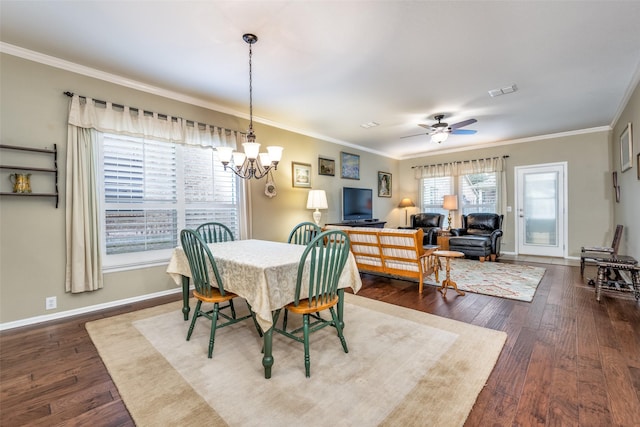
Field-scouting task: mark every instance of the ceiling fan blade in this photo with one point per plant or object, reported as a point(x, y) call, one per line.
point(422, 125)
point(463, 131)
point(411, 136)
point(461, 124)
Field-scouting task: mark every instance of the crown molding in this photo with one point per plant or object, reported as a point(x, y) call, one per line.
point(143, 87)
point(511, 142)
point(134, 84)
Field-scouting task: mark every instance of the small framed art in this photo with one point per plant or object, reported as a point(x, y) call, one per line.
point(384, 184)
point(326, 166)
point(626, 148)
point(349, 166)
point(301, 175)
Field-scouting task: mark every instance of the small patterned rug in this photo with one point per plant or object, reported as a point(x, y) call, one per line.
point(512, 281)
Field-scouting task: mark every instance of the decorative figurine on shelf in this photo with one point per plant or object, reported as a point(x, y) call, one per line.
point(21, 183)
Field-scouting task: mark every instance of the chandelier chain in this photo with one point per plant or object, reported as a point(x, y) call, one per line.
point(250, 90)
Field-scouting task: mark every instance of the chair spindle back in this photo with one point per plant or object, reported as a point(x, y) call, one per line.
point(200, 259)
point(324, 259)
point(214, 232)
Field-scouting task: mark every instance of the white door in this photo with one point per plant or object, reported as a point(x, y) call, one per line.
point(541, 210)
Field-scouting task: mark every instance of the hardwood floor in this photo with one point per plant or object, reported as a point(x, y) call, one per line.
point(568, 359)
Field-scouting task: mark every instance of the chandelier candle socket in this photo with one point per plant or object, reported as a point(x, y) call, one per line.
point(317, 199)
point(450, 204)
point(251, 163)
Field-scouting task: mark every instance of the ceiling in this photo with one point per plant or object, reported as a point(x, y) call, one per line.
point(323, 68)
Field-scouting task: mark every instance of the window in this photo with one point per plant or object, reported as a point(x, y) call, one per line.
point(433, 192)
point(476, 193)
point(152, 190)
point(479, 193)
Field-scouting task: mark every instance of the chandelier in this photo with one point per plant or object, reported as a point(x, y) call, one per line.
point(251, 163)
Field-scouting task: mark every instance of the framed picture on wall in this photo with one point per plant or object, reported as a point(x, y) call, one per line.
point(301, 175)
point(384, 184)
point(326, 166)
point(626, 148)
point(349, 166)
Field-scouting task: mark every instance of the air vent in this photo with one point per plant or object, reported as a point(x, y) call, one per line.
point(503, 91)
point(369, 125)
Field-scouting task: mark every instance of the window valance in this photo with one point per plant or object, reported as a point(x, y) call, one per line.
point(85, 112)
point(466, 167)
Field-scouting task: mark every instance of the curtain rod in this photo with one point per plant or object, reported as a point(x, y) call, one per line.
point(99, 101)
point(460, 161)
point(164, 116)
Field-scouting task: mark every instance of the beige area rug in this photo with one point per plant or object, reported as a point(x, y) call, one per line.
point(498, 279)
point(404, 367)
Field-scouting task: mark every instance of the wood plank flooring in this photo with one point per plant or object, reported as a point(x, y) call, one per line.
point(568, 359)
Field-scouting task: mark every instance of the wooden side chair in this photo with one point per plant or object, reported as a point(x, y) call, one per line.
point(303, 233)
point(201, 263)
point(323, 261)
point(214, 232)
point(591, 254)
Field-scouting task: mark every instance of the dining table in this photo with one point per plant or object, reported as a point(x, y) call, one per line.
point(262, 272)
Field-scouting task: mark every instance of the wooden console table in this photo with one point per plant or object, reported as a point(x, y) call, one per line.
point(370, 224)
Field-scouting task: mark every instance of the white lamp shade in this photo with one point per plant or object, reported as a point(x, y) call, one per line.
point(406, 203)
point(251, 149)
point(224, 154)
point(264, 159)
point(439, 137)
point(317, 199)
point(238, 158)
point(275, 153)
point(450, 203)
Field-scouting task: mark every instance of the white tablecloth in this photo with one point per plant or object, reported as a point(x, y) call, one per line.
point(262, 272)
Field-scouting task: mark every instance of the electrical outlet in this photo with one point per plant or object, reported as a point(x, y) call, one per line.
point(50, 303)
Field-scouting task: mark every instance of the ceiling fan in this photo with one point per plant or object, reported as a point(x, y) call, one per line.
point(440, 131)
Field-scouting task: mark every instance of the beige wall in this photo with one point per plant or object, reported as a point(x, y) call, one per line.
point(627, 212)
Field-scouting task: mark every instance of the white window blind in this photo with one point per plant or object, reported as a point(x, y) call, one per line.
point(479, 193)
point(154, 189)
point(433, 192)
point(211, 194)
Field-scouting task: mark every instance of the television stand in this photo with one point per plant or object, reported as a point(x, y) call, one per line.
point(364, 223)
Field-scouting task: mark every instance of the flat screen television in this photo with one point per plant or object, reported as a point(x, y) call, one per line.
point(357, 204)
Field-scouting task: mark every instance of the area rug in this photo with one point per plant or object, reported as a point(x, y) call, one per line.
point(404, 367)
point(512, 281)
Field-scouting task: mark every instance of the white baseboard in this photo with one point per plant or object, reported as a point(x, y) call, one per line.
point(84, 310)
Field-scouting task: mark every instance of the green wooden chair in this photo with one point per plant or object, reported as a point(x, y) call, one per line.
point(200, 259)
point(303, 233)
point(214, 232)
point(323, 259)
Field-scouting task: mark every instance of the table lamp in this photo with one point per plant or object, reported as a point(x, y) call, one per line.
point(406, 203)
point(317, 199)
point(450, 204)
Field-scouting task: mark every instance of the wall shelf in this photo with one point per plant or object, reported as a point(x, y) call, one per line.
point(53, 170)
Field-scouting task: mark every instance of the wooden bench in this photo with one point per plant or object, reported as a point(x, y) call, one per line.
point(390, 251)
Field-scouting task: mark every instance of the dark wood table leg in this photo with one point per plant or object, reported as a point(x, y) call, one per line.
point(185, 297)
point(267, 358)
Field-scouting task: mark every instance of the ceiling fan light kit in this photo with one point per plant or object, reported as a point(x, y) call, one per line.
point(440, 131)
point(439, 137)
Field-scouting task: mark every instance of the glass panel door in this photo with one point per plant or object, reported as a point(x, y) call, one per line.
point(541, 210)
